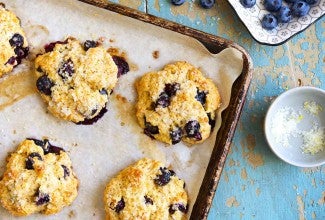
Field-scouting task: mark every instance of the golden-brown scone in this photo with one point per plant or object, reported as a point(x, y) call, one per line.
point(75, 79)
point(177, 103)
point(146, 190)
point(13, 43)
point(38, 178)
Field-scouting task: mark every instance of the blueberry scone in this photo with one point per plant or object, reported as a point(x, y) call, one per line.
point(13, 43)
point(38, 178)
point(75, 79)
point(146, 190)
point(177, 103)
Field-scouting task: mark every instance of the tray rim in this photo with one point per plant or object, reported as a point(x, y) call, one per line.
point(231, 114)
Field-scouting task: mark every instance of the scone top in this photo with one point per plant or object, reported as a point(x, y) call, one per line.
point(38, 178)
point(13, 43)
point(177, 103)
point(75, 79)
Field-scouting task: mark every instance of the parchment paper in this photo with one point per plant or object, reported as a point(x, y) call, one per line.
point(100, 151)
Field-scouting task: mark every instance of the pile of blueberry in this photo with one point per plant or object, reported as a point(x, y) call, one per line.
point(281, 13)
point(204, 3)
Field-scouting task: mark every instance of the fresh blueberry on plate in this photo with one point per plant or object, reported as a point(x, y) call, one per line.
point(248, 3)
point(284, 14)
point(177, 2)
point(300, 8)
point(272, 5)
point(207, 3)
point(269, 22)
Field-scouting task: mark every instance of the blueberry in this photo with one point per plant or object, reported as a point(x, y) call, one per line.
point(176, 135)
point(148, 200)
point(192, 129)
point(171, 89)
point(66, 69)
point(50, 47)
point(177, 2)
point(150, 130)
point(21, 53)
point(163, 100)
point(49, 148)
point(119, 206)
point(11, 61)
point(272, 5)
point(284, 14)
point(207, 3)
point(90, 44)
point(311, 2)
point(37, 142)
point(103, 92)
point(17, 40)
point(164, 178)
point(122, 65)
point(41, 198)
point(269, 22)
point(44, 85)
point(177, 206)
point(66, 171)
point(248, 3)
point(212, 122)
point(30, 162)
point(300, 8)
point(201, 96)
point(90, 121)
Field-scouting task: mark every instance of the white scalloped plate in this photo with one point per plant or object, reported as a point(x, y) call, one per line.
point(251, 17)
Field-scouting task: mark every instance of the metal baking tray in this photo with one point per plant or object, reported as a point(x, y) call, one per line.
point(230, 116)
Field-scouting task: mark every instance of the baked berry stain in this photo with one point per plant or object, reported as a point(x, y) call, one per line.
point(164, 178)
point(192, 129)
point(44, 85)
point(150, 130)
point(30, 160)
point(122, 65)
point(93, 120)
point(50, 47)
point(176, 135)
point(119, 206)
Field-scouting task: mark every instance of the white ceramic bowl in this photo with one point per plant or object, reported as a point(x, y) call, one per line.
point(288, 146)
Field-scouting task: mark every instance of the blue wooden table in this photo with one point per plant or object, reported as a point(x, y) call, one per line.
point(255, 184)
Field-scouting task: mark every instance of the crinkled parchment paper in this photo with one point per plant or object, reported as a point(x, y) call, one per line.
point(100, 151)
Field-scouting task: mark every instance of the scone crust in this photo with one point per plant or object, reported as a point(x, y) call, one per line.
point(143, 198)
point(21, 188)
point(184, 106)
point(10, 25)
point(84, 91)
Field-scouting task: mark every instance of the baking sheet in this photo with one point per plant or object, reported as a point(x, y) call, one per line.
point(101, 150)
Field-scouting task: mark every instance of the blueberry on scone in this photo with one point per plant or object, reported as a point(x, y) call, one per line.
point(177, 103)
point(38, 179)
point(75, 79)
point(146, 190)
point(14, 46)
